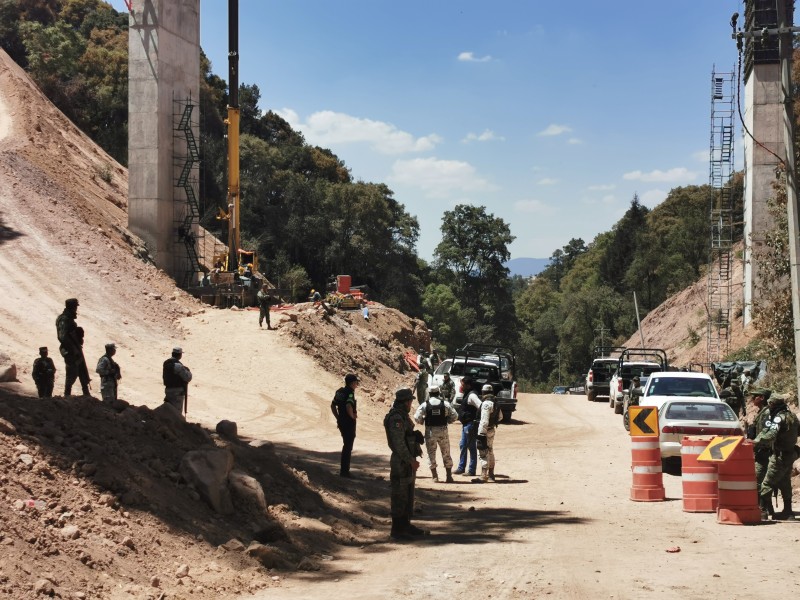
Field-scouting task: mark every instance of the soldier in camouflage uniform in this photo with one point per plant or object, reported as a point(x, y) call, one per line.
point(436, 413)
point(780, 434)
point(109, 374)
point(762, 451)
point(264, 301)
point(44, 373)
point(487, 427)
point(421, 384)
point(405, 446)
point(70, 337)
point(448, 388)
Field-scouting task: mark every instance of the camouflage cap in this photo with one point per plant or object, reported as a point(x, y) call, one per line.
point(434, 390)
point(71, 302)
point(487, 389)
point(42, 348)
point(776, 398)
point(403, 395)
point(177, 350)
point(111, 346)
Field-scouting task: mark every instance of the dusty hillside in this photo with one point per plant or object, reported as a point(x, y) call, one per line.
point(679, 324)
point(94, 501)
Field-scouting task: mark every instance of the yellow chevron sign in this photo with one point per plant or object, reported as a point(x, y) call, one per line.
point(643, 420)
point(720, 448)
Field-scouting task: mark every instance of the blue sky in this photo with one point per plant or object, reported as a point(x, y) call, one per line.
point(550, 114)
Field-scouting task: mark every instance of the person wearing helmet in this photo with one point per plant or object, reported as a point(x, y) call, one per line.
point(344, 410)
point(70, 337)
point(44, 373)
point(470, 407)
point(436, 413)
point(109, 374)
point(448, 389)
point(421, 383)
point(403, 442)
point(487, 426)
point(780, 434)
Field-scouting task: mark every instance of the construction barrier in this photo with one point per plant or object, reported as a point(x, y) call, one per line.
point(699, 479)
point(648, 485)
point(738, 493)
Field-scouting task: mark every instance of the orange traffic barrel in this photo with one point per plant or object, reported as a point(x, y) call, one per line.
point(699, 479)
point(738, 493)
point(648, 485)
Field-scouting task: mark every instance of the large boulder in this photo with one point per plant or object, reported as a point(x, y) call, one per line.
point(248, 491)
point(208, 470)
point(228, 429)
point(8, 370)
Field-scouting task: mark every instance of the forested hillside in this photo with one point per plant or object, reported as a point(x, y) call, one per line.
point(308, 218)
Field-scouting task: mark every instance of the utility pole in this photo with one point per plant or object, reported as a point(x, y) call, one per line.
point(784, 33)
point(602, 331)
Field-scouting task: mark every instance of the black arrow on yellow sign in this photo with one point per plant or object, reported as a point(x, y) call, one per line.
point(640, 420)
point(716, 450)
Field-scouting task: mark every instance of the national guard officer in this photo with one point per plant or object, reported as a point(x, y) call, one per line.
point(176, 377)
point(44, 373)
point(421, 383)
point(405, 446)
point(780, 433)
point(487, 427)
point(470, 405)
point(762, 450)
point(343, 407)
point(448, 388)
point(264, 301)
point(436, 413)
point(70, 337)
point(109, 374)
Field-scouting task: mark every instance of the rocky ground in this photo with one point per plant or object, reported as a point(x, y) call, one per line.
point(129, 501)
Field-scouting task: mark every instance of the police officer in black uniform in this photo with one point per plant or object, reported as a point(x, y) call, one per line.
point(344, 409)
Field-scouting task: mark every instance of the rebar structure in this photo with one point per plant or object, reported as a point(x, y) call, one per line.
point(186, 211)
point(720, 296)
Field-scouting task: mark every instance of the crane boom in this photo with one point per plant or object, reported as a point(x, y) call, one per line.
point(233, 135)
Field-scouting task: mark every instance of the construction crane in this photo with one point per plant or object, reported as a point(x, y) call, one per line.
point(233, 135)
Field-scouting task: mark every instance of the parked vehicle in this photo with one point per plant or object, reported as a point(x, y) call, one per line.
point(487, 363)
point(605, 360)
point(634, 362)
point(560, 389)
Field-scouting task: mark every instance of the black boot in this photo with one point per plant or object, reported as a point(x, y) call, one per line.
point(399, 530)
point(786, 514)
point(765, 504)
point(413, 530)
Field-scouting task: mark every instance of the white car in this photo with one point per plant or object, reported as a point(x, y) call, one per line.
point(679, 417)
point(666, 385)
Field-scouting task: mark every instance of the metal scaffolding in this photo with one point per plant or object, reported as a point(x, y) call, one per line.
point(720, 296)
point(186, 211)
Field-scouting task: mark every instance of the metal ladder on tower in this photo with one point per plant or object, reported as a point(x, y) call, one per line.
point(720, 270)
point(192, 216)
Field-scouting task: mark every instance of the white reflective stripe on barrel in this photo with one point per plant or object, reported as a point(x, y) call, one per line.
point(699, 476)
point(693, 449)
point(645, 445)
point(736, 485)
point(641, 469)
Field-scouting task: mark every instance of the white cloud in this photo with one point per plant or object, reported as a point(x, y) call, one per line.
point(470, 57)
point(533, 206)
point(554, 129)
point(438, 178)
point(676, 175)
point(487, 136)
point(327, 128)
point(652, 198)
point(701, 156)
point(547, 181)
point(602, 187)
point(608, 199)
point(574, 141)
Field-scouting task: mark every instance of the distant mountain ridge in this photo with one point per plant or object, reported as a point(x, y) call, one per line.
point(527, 267)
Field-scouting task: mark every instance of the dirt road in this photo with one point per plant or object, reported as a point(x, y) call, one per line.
point(557, 523)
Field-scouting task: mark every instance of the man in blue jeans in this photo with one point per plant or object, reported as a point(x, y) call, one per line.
point(470, 409)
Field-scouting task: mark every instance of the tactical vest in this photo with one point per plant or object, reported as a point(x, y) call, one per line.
point(494, 416)
point(170, 377)
point(408, 432)
point(788, 430)
point(436, 414)
point(468, 412)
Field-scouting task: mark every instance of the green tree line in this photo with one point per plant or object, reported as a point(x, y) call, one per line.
point(309, 219)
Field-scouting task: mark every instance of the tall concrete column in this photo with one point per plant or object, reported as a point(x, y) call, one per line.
point(163, 66)
point(763, 116)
